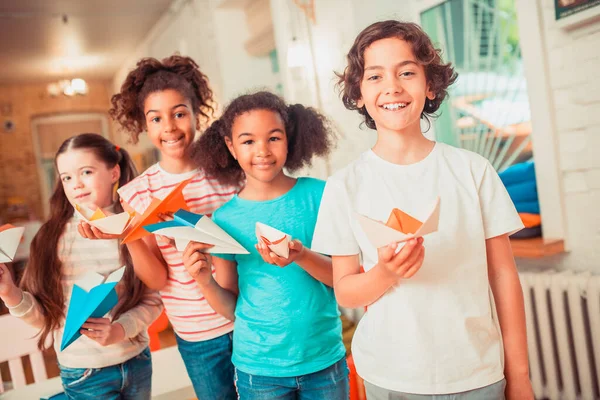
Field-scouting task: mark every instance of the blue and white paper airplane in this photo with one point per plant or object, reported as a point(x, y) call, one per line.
point(187, 226)
point(93, 296)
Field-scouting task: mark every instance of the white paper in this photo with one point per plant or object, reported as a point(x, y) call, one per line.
point(280, 241)
point(9, 242)
point(381, 235)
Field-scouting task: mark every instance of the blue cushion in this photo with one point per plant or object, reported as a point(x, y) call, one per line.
point(532, 207)
point(522, 192)
point(518, 173)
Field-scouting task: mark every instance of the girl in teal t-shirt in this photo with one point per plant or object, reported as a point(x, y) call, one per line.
point(287, 341)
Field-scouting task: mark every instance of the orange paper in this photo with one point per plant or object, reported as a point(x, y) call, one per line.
point(172, 202)
point(401, 221)
point(399, 227)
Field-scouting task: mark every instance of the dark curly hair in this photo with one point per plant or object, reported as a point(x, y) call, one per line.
point(308, 132)
point(439, 75)
point(151, 75)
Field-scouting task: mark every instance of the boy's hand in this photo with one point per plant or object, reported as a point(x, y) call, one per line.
point(198, 262)
point(103, 331)
point(406, 262)
point(9, 292)
point(296, 252)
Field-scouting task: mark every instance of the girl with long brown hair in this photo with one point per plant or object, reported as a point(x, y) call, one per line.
point(101, 363)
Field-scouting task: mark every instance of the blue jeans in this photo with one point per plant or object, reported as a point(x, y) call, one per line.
point(330, 383)
point(209, 367)
point(131, 380)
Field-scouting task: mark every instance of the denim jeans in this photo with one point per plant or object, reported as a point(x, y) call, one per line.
point(330, 383)
point(131, 380)
point(209, 367)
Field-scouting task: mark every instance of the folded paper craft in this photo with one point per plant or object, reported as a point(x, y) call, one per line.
point(110, 224)
point(277, 241)
point(400, 226)
point(10, 237)
point(187, 226)
point(172, 202)
point(93, 296)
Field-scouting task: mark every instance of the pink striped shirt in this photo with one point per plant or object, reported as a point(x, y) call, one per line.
point(190, 314)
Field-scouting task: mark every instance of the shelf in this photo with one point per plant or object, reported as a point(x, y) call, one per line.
point(537, 247)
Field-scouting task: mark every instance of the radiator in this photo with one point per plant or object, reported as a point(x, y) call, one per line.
point(563, 334)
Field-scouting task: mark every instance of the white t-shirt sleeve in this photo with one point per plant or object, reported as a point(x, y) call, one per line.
point(333, 234)
point(497, 209)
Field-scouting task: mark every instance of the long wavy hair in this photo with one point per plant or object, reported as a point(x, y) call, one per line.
point(43, 274)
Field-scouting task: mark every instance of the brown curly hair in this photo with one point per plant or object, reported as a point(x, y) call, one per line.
point(439, 75)
point(151, 75)
point(309, 134)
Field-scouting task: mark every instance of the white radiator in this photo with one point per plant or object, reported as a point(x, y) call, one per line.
point(563, 334)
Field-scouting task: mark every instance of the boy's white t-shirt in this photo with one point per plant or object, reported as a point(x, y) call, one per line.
point(436, 332)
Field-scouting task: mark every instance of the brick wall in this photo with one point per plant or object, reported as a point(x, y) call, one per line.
point(20, 103)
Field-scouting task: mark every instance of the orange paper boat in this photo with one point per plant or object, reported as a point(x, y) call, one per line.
point(399, 227)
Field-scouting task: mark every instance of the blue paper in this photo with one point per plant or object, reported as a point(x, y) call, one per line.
point(84, 304)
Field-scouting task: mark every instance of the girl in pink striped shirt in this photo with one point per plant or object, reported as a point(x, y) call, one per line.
point(168, 99)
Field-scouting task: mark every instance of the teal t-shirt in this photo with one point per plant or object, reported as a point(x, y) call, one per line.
point(286, 322)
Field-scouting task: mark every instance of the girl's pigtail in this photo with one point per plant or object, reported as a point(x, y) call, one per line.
point(211, 154)
point(309, 134)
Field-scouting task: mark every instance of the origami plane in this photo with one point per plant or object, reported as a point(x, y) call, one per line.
point(400, 226)
point(10, 237)
point(93, 296)
point(172, 202)
point(110, 224)
point(187, 226)
point(277, 241)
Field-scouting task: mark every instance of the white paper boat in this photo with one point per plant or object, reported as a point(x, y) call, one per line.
point(10, 237)
point(277, 241)
point(110, 224)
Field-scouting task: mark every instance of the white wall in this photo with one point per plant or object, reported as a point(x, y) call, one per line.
point(337, 24)
point(572, 60)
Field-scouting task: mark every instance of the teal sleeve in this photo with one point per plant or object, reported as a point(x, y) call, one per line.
point(228, 257)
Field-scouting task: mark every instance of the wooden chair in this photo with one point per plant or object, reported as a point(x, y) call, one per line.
point(17, 339)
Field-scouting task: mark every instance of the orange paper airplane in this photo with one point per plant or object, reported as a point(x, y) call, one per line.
point(172, 202)
point(400, 226)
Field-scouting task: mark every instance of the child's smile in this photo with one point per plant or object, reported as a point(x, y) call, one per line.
point(394, 86)
point(259, 144)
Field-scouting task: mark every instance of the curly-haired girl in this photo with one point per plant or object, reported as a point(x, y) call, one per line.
point(431, 326)
point(287, 337)
point(168, 99)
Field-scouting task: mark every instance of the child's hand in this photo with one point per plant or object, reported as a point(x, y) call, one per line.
point(8, 289)
point(406, 262)
point(164, 217)
point(296, 252)
point(91, 232)
point(198, 262)
point(103, 331)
